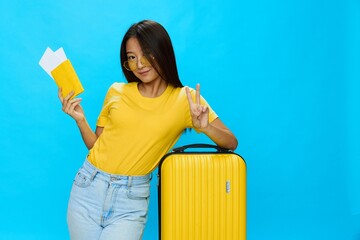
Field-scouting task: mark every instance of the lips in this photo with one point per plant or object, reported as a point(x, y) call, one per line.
point(144, 72)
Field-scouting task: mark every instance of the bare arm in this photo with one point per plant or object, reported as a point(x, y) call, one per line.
point(220, 134)
point(89, 137)
point(216, 130)
point(73, 108)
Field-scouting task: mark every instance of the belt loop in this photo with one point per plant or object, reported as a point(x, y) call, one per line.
point(129, 181)
point(93, 175)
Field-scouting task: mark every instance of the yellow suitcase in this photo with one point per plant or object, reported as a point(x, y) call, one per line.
point(202, 194)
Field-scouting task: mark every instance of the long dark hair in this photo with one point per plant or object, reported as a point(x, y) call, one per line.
point(157, 47)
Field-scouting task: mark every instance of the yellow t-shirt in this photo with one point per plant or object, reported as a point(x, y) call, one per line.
point(139, 130)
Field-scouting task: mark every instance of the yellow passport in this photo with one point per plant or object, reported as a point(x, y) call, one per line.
point(67, 79)
point(59, 67)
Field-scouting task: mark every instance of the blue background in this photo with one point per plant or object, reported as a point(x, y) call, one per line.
point(283, 75)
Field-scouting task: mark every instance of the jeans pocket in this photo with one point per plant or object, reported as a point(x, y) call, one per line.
point(139, 192)
point(82, 178)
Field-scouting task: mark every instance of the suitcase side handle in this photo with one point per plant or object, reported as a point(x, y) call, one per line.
point(201, 145)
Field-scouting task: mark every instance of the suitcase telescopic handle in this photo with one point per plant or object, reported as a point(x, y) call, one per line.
point(200, 145)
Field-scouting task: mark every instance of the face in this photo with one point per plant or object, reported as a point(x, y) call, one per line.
point(138, 64)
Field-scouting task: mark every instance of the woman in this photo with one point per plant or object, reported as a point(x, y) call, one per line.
point(140, 122)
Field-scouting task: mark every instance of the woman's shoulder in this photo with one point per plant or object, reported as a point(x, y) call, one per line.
point(121, 86)
point(117, 86)
point(182, 90)
point(176, 91)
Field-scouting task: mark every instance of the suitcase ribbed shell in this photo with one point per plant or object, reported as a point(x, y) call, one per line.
point(203, 196)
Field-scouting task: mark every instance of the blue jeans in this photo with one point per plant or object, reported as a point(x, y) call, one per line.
point(105, 206)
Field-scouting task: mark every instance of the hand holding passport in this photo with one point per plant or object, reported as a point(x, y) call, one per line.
point(61, 70)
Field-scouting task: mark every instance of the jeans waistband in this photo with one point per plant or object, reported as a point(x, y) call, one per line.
point(128, 180)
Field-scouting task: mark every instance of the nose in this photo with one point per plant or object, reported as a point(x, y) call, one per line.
point(139, 63)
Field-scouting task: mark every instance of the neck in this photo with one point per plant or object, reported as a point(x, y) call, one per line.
point(152, 89)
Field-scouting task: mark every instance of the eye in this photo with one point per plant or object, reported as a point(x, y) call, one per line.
point(131, 58)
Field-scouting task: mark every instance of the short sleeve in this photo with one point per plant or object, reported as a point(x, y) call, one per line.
point(212, 113)
point(112, 93)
